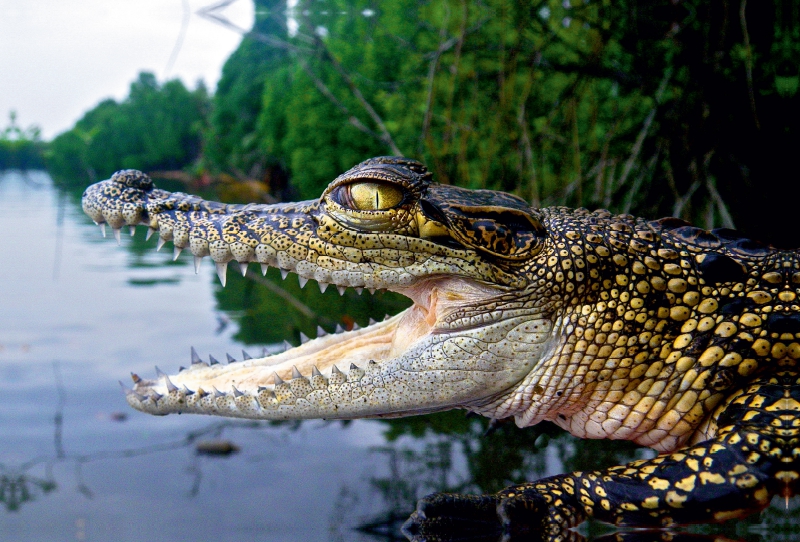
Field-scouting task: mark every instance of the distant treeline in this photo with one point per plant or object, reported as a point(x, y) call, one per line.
point(157, 127)
point(653, 107)
point(20, 148)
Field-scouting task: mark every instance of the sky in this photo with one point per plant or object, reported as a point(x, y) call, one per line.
point(60, 58)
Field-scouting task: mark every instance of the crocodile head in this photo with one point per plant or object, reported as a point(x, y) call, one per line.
point(478, 325)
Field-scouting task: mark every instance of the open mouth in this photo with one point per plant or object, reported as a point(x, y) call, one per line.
point(329, 359)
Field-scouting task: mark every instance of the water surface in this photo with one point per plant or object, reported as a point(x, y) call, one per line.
point(77, 314)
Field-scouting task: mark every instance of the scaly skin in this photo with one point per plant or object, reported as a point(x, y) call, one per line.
point(610, 326)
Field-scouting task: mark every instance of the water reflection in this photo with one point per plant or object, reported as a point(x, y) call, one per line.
point(78, 314)
point(70, 462)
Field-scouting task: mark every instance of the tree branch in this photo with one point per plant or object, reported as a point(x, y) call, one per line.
point(648, 121)
point(384, 135)
point(748, 63)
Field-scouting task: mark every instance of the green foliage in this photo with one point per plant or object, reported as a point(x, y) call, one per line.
point(20, 148)
point(269, 310)
point(655, 108)
point(231, 142)
point(157, 127)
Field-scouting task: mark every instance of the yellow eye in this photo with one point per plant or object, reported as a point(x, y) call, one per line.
point(371, 196)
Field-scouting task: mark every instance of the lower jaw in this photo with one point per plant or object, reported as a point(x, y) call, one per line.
point(341, 351)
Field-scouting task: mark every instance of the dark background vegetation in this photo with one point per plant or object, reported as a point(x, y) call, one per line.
point(665, 107)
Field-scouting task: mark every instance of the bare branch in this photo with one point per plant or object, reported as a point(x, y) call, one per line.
point(385, 136)
point(680, 202)
point(637, 182)
point(444, 45)
point(648, 121)
point(727, 219)
point(527, 147)
point(213, 14)
point(323, 88)
point(748, 63)
point(304, 309)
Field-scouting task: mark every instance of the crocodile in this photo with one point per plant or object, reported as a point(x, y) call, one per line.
point(677, 338)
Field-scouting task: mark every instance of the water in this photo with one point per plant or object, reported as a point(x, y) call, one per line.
point(75, 461)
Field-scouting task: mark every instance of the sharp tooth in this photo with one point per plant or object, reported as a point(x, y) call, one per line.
point(159, 372)
point(236, 393)
point(339, 328)
point(197, 261)
point(212, 360)
point(116, 235)
point(218, 393)
point(170, 386)
point(284, 274)
point(149, 234)
point(132, 230)
point(187, 391)
point(136, 378)
point(160, 243)
point(342, 289)
point(372, 363)
point(287, 345)
point(176, 251)
point(359, 291)
point(102, 228)
point(245, 355)
point(264, 352)
point(335, 370)
point(356, 327)
point(231, 359)
point(277, 379)
point(321, 331)
point(243, 268)
point(195, 358)
point(386, 316)
point(315, 371)
point(156, 396)
point(372, 291)
point(222, 269)
point(129, 391)
point(264, 269)
point(372, 321)
point(303, 338)
point(296, 373)
point(323, 286)
point(181, 369)
point(354, 367)
point(302, 280)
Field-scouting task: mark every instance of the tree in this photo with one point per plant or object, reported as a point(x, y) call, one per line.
point(659, 108)
point(157, 127)
point(20, 148)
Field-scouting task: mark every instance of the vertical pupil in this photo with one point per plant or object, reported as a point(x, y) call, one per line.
point(372, 196)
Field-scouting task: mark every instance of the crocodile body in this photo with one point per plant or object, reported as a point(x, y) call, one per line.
point(677, 338)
